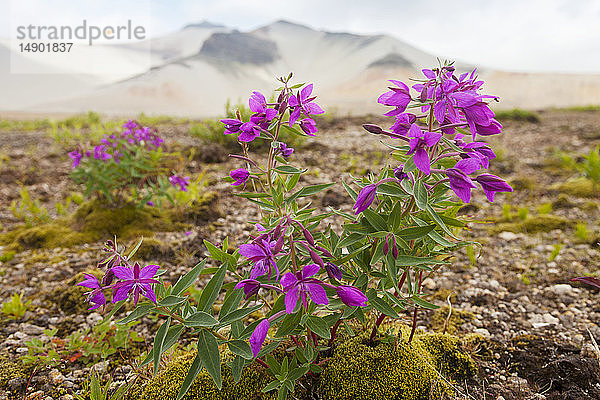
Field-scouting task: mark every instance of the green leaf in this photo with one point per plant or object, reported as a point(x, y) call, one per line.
point(159, 340)
point(415, 232)
point(170, 301)
point(350, 240)
point(289, 324)
point(318, 326)
point(240, 348)
point(425, 304)
point(438, 220)
point(350, 191)
point(308, 191)
point(231, 302)
point(271, 386)
point(139, 312)
point(238, 314)
point(170, 339)
point(215, 252)
point(375, 220)
point(420, 193)
point(95, 390)
point(191, 375)
point(212, 289)
point(188, 279)
point(200, 318)
point(380, 305)
point(288, 169)
point(135, 249)
point(208, 350)
point(395, 217)
point(237, 367)
point(411, 261)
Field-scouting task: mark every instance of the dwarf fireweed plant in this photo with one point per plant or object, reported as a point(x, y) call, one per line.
point(306, 280)
point(125, 165)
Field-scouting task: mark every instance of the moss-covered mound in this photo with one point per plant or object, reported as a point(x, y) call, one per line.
point(535, 224)
point(440, 320)
point(166, 385)
point(579, 187)
point(360, 370)
point(94, 221)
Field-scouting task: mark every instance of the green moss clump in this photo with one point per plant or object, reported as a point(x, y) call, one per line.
point(7, 256)
point(200, 211)
point(10, 370)
point(93, 221)
point(152, 249)
point(478, 346)
point(579, 187)
point(535, 224)
point(517, 114)
point(457, 318)
point(522, 184)
point(166, 385)
point(360, 370)
point(562, 201)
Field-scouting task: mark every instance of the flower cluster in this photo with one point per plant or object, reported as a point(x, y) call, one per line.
point(121, 277)
point(448, 103)
point(113, 146)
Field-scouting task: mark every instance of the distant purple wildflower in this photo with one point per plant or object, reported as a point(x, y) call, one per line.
point(76, 156)
point(303, 103)
point(240, 176)
point(181, 181)
point(95, 296)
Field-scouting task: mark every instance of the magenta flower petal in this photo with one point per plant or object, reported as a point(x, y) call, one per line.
point(310, 270)
point(365, 198)
point(258, 336)
point(291, 298)
point(351, 296)
point(421, 160)
point(148, 271)
point(317, 293)
point(123, 272)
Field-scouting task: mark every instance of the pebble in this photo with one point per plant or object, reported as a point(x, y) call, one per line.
point(561, 289)
point(56, 377)
point(508, 236)
point(483, 332)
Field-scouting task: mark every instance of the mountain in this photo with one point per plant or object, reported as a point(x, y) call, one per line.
point(195, 70)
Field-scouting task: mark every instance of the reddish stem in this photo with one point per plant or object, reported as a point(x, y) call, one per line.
point(382, 316)
point(414, 318)
point(333, 331)
point(261, 362)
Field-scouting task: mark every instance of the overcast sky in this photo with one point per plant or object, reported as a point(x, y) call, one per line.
point(518, 35)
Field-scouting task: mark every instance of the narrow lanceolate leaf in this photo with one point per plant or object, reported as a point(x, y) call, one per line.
point(170, 339)
point(200, 318)
point(208, 350)
point(170, 301)
point(436, 217)
point(237, 367)
point(188, 279)
point(191, 376)
point(212, 289)
point(420, 193)
point(415, 232)
point(139, 312)
point(135, 249)
point(240, 348)
point(375, 220)
point(318, 326)
point(159, 340)
point(423, 303)
point(380, 305)
point(238, 314)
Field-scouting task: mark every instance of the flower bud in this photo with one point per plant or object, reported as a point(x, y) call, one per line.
point(315, 257)
point(333, 271)
point(386, 247)
point(374, 129)
point(308, 236)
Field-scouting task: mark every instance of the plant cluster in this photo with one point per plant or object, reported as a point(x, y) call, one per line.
point(125, 165)
point(308, 281)
point(15, 307)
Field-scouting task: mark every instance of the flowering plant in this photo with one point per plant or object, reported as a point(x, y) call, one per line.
point(307, 281)
point(125, 165)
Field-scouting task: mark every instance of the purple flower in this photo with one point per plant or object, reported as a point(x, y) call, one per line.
point(300, 285)
point(479, 116)
point(231, 125)
point(150, 203)
point(333, 271)
point(492, 184)
point(258, 336)
point(365, 198)
point(399, 173)
point(262, 253)
point(182, 181)
point(303, 103)
point(240, 176)
point(351, 296)
point(249, 131)
point(403, 123)
point(460, 183)
point(250, 287)
point(100, 154)
point(130, 125)
point(309, 126)
point(418, 143)
point(285, 151)
point(134, 280)
point(262, 114)
point(76, 156)
point(397, 97)
point(95, 296)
